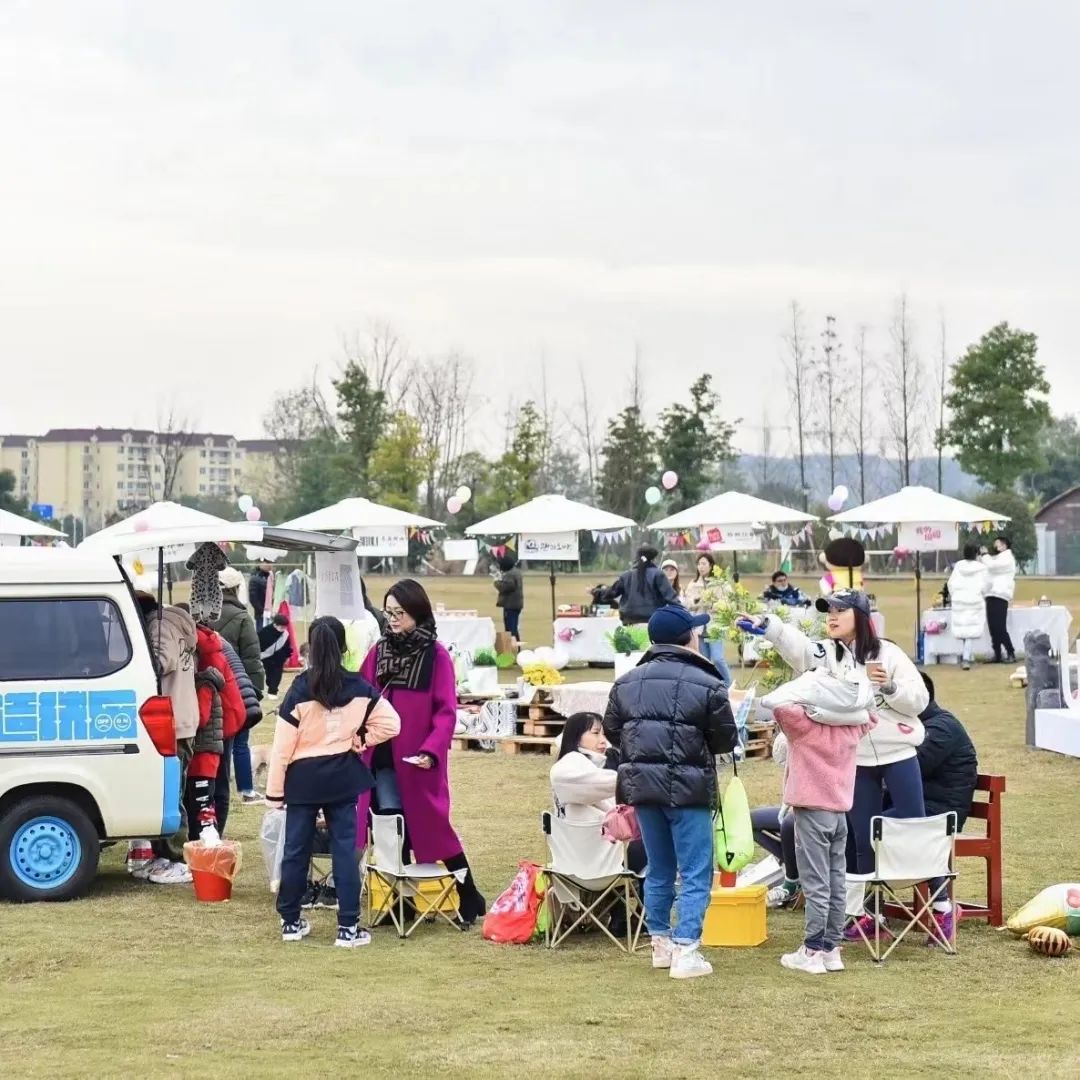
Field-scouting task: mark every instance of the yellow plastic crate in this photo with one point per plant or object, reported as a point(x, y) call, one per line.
point(735, 917)
point(427, 893)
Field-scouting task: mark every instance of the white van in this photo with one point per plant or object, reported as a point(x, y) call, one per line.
point(87, 746)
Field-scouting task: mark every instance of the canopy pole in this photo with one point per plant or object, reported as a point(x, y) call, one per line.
point(918, 610)
point(160, 613)
point(735, 569)
point(553, 590)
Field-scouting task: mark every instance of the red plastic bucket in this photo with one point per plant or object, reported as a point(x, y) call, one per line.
point(728, 880)
point(211, 888)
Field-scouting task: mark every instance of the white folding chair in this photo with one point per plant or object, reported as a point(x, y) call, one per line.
point(907, 852)
point(402, 881)
point(587, 878)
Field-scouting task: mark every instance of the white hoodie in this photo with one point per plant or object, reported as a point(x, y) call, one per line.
point(968, 583)
point(584, 790)
point(899, 730)
point(1002, 567)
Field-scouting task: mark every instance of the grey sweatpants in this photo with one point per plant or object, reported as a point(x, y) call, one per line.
point(820, 847)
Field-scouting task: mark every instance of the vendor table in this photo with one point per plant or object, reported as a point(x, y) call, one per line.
point(588, 639)
point(466, 633)
point(942, 647)
point(573, 698)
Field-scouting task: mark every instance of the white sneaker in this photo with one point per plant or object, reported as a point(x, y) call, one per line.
point(688, 963)
point(154, 866)
point(175, 873)
point(252, 798)
point(296, 931)
point(662, 949)
point(813, 963)
point(832, 960)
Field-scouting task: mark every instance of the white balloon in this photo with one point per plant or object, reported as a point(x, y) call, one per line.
point(653, 496)
point(842, 491)
point(526, 657)
point(545, 655)
point(245, 502)
point(464, 493)
point(562, 658)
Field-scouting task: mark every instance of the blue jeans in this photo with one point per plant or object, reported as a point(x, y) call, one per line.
point(241, 752)
point(512, 622)
point(678, 840)
point(296, 860)
point(903, 782)
point(714, 651)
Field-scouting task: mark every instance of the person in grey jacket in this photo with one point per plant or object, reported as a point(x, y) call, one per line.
point(237, 628)
point(510, 586)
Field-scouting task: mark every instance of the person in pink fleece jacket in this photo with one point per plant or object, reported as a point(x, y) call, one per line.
point(819, 786)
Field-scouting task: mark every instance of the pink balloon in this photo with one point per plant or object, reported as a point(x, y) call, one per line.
point(670, 479)
point(835, 503)
point(453, 505)
point(142, 525)
point(254, 514)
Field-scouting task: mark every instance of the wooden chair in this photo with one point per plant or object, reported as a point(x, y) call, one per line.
point(986, 847)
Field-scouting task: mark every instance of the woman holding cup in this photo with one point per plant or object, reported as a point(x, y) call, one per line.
point(886, 759)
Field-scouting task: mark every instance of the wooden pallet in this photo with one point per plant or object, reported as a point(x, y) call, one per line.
point(759, 740)
point(508, 744)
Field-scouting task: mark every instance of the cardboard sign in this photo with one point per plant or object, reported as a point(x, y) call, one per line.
point(549, 547)
point(928, 536)
point(337, 585)
point(732, 538)
point(385, 542)
point(461, 550)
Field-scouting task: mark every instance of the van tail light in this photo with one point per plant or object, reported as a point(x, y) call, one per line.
point(157, 717)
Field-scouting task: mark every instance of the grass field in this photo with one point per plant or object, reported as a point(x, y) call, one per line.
point(140, 980)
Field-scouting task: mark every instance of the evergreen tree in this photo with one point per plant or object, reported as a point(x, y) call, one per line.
point(629, 465)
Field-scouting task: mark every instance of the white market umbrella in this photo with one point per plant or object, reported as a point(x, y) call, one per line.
point(733, 508)
point(915, 506)
point(13, 525)
point(359, 514)
point(550, 515)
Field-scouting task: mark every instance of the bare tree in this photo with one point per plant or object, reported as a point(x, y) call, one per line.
point(856, 413)
point(296, 419)
point(440, 397)
point(766, 450)
point(939, 434)
point(584, 426)
point(828, 392)
point(903, 390)
point(163, 462)
point(383, 357)
point(799, 375)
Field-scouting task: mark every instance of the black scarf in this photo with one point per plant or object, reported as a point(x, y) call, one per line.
point(406, 660)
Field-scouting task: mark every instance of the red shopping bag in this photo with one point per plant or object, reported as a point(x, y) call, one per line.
point(513, 917)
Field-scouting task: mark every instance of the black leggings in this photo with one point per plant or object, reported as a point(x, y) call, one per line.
point(997, 619)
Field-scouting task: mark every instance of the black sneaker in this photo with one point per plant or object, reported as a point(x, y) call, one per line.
point(295, 931)
point(311, 896)
point(327, 898)
point(352, 937)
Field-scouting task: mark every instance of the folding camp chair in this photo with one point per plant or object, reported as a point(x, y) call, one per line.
point(907, 852)
point(587, 879)
point(404, 881)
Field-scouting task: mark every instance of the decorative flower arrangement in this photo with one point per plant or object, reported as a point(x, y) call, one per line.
point(542, 675)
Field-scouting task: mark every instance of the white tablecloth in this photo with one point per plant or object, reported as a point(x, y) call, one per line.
point(466, 633)
point(580, 697)
point(1055, 620)
point(589, 643)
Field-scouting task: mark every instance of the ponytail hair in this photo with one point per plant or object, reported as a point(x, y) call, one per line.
point(326, 636)
point(645, 558)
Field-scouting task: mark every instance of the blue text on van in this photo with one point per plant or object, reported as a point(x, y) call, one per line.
point(68, 716)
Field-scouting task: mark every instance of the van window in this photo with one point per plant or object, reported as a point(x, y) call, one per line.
point(61, 638)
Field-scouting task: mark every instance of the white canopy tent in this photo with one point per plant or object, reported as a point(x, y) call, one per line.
point(379, 530)
point(547, 528)
point(14, 527)
point(745, 515)
point(928, 521)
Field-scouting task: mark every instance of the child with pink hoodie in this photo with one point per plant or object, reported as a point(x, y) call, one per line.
point(819, 786)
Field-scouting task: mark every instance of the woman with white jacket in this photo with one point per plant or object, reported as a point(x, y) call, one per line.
point(886, 758)
point(1002, 569)
point(583, 788)
point(967, 587)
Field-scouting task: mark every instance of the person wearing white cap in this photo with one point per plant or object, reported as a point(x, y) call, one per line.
point(237, 627)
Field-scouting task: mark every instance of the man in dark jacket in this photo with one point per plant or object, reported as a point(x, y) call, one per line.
point(782, 591)
point(947, 761)
point(257, 584)
point(669, 717)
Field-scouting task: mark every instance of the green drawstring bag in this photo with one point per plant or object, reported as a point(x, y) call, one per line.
point(734, 833)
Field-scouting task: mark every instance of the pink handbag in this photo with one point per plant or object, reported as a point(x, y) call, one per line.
point(620, 825)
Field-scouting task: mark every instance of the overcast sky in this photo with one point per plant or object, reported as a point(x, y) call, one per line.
point(198, 200)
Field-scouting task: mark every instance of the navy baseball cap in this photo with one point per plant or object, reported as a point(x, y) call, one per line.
point(843, 599)
point(669, 625)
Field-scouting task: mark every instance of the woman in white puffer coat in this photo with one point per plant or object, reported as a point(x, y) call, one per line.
point(967, 587)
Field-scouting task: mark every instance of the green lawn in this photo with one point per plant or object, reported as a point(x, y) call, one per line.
point(141, 980)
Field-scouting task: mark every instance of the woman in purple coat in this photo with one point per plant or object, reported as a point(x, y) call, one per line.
point(415, 673)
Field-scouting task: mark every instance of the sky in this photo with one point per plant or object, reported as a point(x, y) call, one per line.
point(199, 201)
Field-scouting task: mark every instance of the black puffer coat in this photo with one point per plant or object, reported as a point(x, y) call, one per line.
point(247, 689)
point(669, 717)
point(210, 738)
point(641, 591)
point(948, 764)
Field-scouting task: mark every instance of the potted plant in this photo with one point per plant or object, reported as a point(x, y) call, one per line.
point(629, 643)
point(484, 674)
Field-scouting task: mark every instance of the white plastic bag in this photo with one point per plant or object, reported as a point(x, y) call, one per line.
point(272, 842)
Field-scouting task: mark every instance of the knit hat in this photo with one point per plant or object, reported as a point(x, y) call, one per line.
point(230, 578)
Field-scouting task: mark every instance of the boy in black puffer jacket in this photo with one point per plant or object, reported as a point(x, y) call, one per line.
point(947, 761)
point(669, 717)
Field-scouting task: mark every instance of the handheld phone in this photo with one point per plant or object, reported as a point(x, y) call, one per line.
point(750, 627)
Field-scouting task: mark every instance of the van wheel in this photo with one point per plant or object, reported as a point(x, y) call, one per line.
point(49, 850)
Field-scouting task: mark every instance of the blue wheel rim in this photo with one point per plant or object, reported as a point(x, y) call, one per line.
point(45, 852)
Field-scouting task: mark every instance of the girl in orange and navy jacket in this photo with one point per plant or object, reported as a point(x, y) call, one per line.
point(328, 717)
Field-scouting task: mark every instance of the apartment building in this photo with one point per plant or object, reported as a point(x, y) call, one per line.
point(96, 473)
